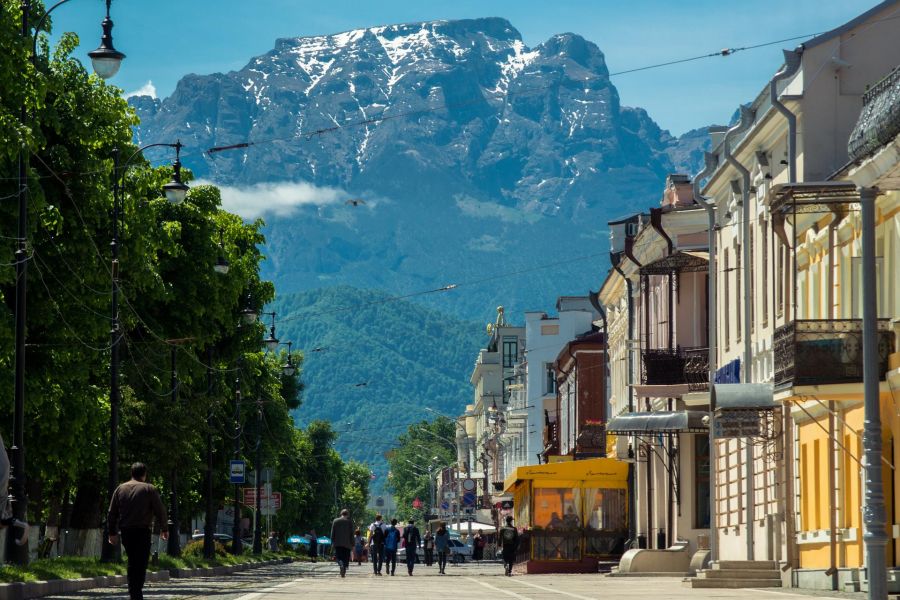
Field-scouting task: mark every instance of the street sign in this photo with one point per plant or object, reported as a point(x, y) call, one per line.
point(469, 499)
point(237, 471)
point(266, 501)
point(469, 485)
point(737, 424)
point(417, 503)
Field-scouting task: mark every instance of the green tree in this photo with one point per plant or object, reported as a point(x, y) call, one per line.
point(421, 451)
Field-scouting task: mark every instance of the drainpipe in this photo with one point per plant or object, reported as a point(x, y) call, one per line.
point(656, 224)
point(709, 160)
point(792, 59)
point(832, 459)
point(594, 298)
point(632, 501)
point(747, 116)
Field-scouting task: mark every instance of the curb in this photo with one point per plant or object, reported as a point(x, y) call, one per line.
point(38, 589)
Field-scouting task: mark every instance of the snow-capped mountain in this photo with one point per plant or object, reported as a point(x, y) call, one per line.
point(473, 153)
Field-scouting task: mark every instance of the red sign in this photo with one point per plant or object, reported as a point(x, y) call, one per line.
point(265, 500)
point(417, 503)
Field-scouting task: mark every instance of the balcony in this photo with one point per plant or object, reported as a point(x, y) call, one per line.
point(879, 121)
point(676, 367)
point(824, 351)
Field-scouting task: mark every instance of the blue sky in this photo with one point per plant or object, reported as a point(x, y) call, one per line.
point(166, 39)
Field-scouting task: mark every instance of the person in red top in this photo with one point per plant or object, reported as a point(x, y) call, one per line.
point(132, 509)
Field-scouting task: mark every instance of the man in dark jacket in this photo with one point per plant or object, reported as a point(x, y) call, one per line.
point(342, 540)
point(412, 539)
point(509, 542)
point(131, 511)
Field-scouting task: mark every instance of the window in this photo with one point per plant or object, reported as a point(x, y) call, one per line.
point(510, 350)
point(726, 318)
point(550, 383)
point(856, 287)
point(701, 482)
point(752, 308)
point(737, 291)
point(764, 234)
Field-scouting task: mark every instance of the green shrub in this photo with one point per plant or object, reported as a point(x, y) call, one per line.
point(194, 549)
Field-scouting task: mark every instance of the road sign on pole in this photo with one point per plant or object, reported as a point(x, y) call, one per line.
point(237, 472)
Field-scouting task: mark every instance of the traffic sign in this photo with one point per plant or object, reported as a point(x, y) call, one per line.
point(469, 485)
point(267, 501)
point(237, 471)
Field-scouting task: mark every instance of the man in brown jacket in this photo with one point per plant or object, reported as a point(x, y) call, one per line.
point(342, 530)
point(131, 511)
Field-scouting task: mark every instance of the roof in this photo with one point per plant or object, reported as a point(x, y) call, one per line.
point(821, 39)
point(607, 470)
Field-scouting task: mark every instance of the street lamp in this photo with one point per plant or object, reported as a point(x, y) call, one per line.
point(175, 190)
point(221, 267)
point(271, 341)
point(289, 368)
point(106, 60)
point(249, 314)
point(15, 553)
point(109, 552)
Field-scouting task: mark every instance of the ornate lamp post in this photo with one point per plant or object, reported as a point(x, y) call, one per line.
point(15, 553)
point(108, 552)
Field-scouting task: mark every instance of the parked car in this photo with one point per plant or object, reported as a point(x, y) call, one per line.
point(401, 554)
point(459, 551)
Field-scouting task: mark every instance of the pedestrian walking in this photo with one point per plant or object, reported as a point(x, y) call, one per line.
point(272, 542)
point(509, 543)
point(342, 540)
point(358, 546)
point(478, 544)
point(376, 543)
point(132, 509)
point(412, 539)
point(442, 546)
point(6, 516)
point(313, 545)
point(391, 543)
point(428, 547)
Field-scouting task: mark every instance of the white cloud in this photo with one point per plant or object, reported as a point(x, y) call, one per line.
point(277, 199)
point(148, 89)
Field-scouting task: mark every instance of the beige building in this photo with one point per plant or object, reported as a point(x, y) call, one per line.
point(787, 291)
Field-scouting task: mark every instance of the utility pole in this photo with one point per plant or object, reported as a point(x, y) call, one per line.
point(257, 524)
point(874, 516)
point(173, 547)
point(236, 525)
point(209, 547)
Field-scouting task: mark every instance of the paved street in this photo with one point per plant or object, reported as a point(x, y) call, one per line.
point(287, 582)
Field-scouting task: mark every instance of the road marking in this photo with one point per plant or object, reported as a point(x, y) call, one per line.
point(546, 589)
point(268, 590)
point(489, 586)
point(765, 591)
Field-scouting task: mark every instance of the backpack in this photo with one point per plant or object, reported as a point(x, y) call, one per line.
point(509, 536)
point(378, 535)
point(392, 538)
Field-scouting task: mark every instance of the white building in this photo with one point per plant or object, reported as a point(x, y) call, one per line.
point(545, 337)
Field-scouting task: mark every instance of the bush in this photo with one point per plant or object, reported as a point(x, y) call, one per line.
point(194, 549)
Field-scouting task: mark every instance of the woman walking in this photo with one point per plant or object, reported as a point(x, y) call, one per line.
point(428, 546)
point(358, 546)
point(442, 545)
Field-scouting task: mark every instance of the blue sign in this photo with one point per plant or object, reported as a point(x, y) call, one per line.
point(237, 472)
point(469, 498)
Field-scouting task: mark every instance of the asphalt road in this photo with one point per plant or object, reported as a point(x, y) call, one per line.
point(320, 581)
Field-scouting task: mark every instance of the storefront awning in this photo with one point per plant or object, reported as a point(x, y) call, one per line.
point(607, 470)
point(743, 396)
point(658, 422)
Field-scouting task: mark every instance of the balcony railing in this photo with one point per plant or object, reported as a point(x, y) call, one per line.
point(879, 121)
point(826, 351)
point(673, 367)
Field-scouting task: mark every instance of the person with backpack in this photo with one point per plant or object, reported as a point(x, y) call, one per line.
point(411, 539)
point(509, 543)
point(376, 543)
point(442, 545)
point(391, 543)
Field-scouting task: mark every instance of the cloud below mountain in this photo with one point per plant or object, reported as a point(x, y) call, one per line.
point(275, 199)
